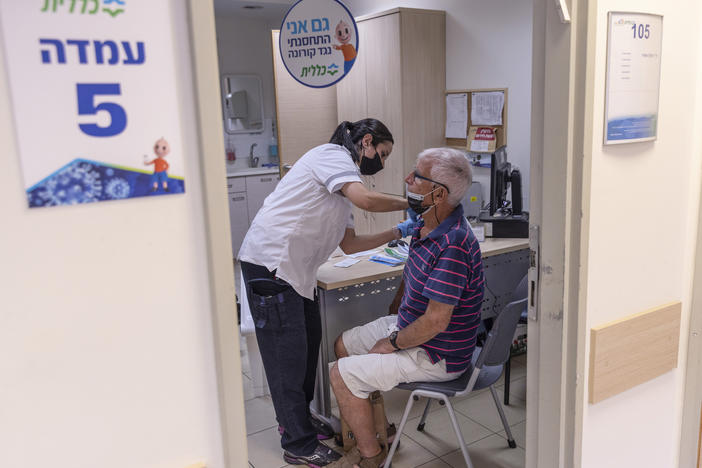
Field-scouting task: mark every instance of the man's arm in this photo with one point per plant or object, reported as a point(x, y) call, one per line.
point(372, 201)
point(394, 307)
point(352, 243)
point(435, 320)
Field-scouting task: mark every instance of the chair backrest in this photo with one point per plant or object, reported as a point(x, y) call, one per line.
point(497, 347)
point(521, 291)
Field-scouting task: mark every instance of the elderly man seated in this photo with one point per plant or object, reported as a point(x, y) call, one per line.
point(433, 335)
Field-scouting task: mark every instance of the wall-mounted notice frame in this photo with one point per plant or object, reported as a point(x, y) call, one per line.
point(501, 133)
point(633, 77)
point(96, 108)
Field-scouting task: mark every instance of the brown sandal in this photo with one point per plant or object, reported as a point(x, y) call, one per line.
point(354, 458)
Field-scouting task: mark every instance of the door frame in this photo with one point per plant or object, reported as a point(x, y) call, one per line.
point(217, 231)
point(559, 139)
point(692, 403)
point(561, 135)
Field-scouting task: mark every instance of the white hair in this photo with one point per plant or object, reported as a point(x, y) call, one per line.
point(450, 167)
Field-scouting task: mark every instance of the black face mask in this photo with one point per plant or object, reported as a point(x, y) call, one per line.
point(415, 200)
point(371, 166)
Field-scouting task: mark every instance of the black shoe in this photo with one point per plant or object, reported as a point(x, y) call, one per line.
point(324, 431)
point(321, 456)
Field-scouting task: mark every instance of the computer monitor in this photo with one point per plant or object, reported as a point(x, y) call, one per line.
point(500, 171)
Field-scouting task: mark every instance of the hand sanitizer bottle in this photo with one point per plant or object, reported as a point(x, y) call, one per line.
point(273, 145)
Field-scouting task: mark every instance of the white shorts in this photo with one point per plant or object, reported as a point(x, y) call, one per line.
point(364, 373)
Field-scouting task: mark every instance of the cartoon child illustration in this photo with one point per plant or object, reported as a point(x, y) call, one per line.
point(343, 35)
point(161, 148)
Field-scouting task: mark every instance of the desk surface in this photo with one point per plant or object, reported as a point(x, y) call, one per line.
point(331, 277)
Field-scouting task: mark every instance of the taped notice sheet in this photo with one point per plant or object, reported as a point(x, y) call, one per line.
point(486, 107)
point(456, 115)
point(482, 139)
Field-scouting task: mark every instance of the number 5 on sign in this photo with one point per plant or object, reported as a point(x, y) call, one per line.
point(87, 93)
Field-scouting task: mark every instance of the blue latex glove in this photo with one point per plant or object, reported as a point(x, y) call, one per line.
point(406, 228)
point(411, 214)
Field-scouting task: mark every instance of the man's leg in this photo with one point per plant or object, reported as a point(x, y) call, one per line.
point(339, 348)
point(357, 413)
point(353, 378)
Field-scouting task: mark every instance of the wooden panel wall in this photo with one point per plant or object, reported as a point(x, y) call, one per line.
point(384, 96)
point(306, 117)
point(399, 77)
point(633, 350)
point(423, 82)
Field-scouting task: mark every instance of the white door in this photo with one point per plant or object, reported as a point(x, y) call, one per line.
point(558, 84)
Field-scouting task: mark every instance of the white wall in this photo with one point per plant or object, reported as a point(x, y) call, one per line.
point(244, 47)
point(643, 218)
point(488, 45)
point(106, 347)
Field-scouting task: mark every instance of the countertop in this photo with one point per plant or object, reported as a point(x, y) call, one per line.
point(251, 171)
point(331, 277)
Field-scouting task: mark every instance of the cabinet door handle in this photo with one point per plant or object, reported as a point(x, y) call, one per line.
point(238, 198)
point(266, 179)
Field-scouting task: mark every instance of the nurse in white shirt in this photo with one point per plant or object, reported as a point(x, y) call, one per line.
point(299, 226)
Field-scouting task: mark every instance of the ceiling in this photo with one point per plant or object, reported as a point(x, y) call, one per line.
point(273, 10)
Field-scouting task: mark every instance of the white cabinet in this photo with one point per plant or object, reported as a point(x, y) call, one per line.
point(257, 189)
point(238, 218)
point(246, 196)
point(402, 84)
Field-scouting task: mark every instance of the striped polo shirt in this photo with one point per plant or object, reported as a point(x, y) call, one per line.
point(446, 266)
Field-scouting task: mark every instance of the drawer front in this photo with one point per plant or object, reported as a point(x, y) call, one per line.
point(239, 219)
point(236, 184)
point(258, 187)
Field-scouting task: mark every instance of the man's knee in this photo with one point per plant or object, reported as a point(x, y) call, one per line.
point(339, 348)
point(335, 377)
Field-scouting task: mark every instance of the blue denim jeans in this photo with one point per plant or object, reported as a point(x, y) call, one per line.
point(289, 333)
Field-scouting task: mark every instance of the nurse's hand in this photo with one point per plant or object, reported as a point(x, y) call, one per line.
point(406, 228)
point(382, 346)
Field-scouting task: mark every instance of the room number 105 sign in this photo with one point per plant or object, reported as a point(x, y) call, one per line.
point(94, 98)
point(633, 77)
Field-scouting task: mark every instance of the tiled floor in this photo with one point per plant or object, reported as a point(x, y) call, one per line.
point(436, 447)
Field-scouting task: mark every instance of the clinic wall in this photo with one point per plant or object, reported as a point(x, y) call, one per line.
point(488, 45)
point(643, 211)
point(106, 347)
point(244, 47)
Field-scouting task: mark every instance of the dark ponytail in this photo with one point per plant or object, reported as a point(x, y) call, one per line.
point(348, 134)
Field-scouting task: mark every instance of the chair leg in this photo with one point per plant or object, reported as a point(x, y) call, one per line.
point(396, 442)
point(459, 434)
point(420, 426)
point(508, 368)
point(510, 439)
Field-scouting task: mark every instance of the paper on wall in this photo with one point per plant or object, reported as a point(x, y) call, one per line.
point(456, 115)
point(486, 108)
point(478, 146)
